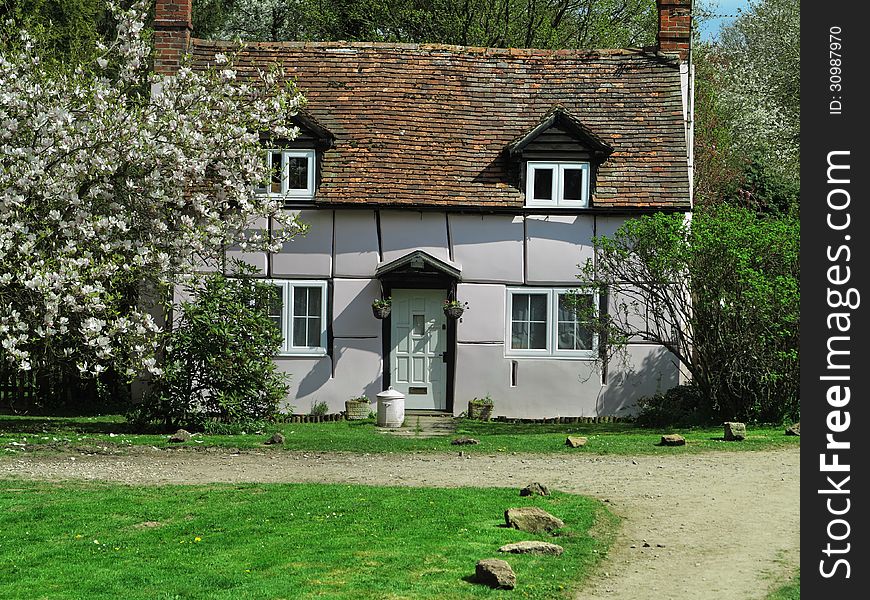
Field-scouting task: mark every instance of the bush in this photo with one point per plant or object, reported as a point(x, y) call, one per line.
point(218, 360)
point(319, 409)
point(680, 406)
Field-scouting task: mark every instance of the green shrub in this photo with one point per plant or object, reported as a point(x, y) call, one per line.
point(218, 363)
point(680, 406)
point(318, 409)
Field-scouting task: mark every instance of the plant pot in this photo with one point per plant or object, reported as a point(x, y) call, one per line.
point(381, 312)
point(481, 412)
point(454, 312)
point(356, 410)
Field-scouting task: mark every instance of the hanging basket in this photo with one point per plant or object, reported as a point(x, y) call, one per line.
point(453, 312)
point(381, 312)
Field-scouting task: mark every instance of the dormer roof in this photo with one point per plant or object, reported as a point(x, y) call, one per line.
point(559, 118)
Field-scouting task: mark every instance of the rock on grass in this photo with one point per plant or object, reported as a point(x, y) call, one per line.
point(495, 573)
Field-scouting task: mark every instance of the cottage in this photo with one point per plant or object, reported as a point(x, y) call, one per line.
point(430, 173)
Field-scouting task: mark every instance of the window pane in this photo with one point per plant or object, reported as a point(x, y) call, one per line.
point(567, 339)
point(538, 304)
point(538, 336)
point(298, 168)
point(519, 336)
point(314, 294)
point(300, 330)
point(300, 301)
point(419, 325)
point(543, 184)
point(275, 307)
point(275, 186)
point(520, 307)
point(572, 184)
point(584, 337)
point(313, 332)
point(567, 307)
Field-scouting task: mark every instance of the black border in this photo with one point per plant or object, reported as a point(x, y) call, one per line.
point(821, 133)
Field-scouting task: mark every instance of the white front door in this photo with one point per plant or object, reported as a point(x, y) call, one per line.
point(419, 340)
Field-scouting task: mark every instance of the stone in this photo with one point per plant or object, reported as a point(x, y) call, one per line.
point(735, 432)
point(179, 437)
point(532, 547)
point(535, 489)
point(573, 441)
point(673, 439)
point(464, 441)
point(495, 573)
point(794, 429)
point(276, 439)
point(532, 519)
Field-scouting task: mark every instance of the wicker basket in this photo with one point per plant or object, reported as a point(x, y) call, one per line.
point(454, 312)
point(381, 312)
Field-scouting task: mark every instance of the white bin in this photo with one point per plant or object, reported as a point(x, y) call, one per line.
point(391, 408)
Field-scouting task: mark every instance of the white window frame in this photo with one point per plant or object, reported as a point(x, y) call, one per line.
point(552, 349)
point(300, 194)
point(558, 191)
point(288, 289)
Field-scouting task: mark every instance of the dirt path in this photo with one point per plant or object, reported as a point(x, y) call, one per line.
point(718, 525)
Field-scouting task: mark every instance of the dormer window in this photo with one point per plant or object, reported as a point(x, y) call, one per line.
point(292, 173)
point(558, 160)
point(562, 183)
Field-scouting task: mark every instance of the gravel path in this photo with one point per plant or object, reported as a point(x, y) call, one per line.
point(718, 525)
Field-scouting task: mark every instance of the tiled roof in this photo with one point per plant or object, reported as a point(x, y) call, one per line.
point(429, 124)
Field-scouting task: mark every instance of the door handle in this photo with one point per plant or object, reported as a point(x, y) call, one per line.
point(443, 356)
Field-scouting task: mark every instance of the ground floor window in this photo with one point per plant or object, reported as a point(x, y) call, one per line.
point(299, 310)
point(550, 322)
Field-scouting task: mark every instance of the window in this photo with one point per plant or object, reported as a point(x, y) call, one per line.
point(291, 173)
point(550, 322)
point(300, 312)
point(557, 183)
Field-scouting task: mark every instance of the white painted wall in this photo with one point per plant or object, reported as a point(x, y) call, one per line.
point(358, 371)
point(555, 246)
point(309, 255)
point(352, 308)
point(493, 253)
point(356, 243)
point(484, 321)
point(404, 231)
point(489, 247)
point(255, 259)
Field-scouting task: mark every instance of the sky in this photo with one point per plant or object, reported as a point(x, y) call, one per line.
point(710, 28)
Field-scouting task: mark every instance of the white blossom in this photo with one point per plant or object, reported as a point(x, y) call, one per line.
point(107, 190)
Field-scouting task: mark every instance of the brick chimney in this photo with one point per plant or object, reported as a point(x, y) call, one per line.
point(173, 21)
point(675, 26)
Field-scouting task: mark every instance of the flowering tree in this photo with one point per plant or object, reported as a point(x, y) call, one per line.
point(114, 180)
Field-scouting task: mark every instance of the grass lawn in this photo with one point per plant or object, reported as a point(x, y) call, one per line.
point(58, 433)
point(790, 591)
point(280, 541)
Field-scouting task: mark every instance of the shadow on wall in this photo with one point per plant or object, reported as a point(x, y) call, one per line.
point(318, 381)
point(658, 371)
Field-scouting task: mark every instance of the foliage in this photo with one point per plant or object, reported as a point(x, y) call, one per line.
point(722, 295)
point(382, 302)
point(66, 31)
point(114, 183)
point(500, 23)
point(319, 408)
point(218, 362)
point(261, 540)
point(680, 406)
point(361, 399)
point(747, 109)
point(485, 401)
point(455, 304)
